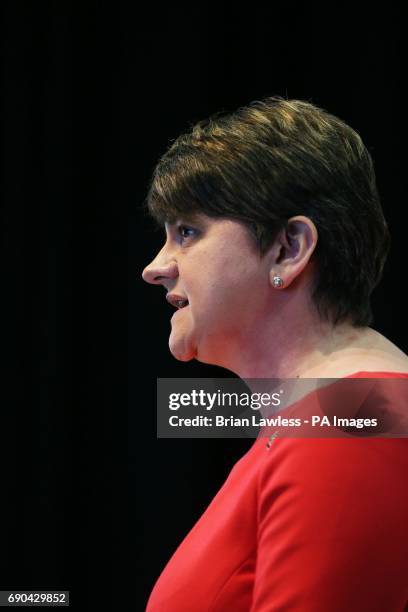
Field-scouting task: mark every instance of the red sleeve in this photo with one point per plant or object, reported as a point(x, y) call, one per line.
point(333, 526)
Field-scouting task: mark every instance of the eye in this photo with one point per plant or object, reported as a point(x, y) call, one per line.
point(186, 232)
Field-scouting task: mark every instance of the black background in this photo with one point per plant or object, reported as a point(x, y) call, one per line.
point(93, 93)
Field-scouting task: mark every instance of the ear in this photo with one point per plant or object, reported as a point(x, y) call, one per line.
point(292, 249)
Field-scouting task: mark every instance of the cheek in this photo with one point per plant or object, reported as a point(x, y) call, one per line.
point(229, 286)
point(225, 304)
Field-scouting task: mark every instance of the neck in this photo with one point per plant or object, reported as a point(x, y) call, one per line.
point(302, 349)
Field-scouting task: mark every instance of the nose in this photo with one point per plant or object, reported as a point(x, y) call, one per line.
point(160, 269)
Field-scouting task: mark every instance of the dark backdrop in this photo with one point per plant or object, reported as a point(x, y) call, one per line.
point(93, 93)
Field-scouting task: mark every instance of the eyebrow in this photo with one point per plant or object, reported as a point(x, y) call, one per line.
point(187, 218)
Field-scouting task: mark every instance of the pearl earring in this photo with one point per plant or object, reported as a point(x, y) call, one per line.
point(277, 282)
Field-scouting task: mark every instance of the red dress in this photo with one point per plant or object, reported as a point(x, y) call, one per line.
point(305, 526)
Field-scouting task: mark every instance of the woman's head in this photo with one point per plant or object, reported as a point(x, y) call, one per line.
point(271, 161)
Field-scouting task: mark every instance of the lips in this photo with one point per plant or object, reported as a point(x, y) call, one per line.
point(178, 301)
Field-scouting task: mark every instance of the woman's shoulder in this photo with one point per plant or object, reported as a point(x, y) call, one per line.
point(385, 356)
point(375, 355)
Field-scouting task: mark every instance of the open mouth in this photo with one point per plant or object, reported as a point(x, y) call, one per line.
point(177, 301)
point(182, 304)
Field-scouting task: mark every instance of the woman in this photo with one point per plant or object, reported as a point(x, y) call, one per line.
point(275, 240)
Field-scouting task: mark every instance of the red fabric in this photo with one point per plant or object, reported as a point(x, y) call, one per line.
point(310, 525)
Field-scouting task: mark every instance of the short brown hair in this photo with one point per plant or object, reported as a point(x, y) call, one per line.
point(275, 159)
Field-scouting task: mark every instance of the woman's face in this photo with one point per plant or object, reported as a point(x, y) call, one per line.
point(216, 266)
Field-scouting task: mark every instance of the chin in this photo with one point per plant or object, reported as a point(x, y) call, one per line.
point(181, 353)
point(181, 357)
